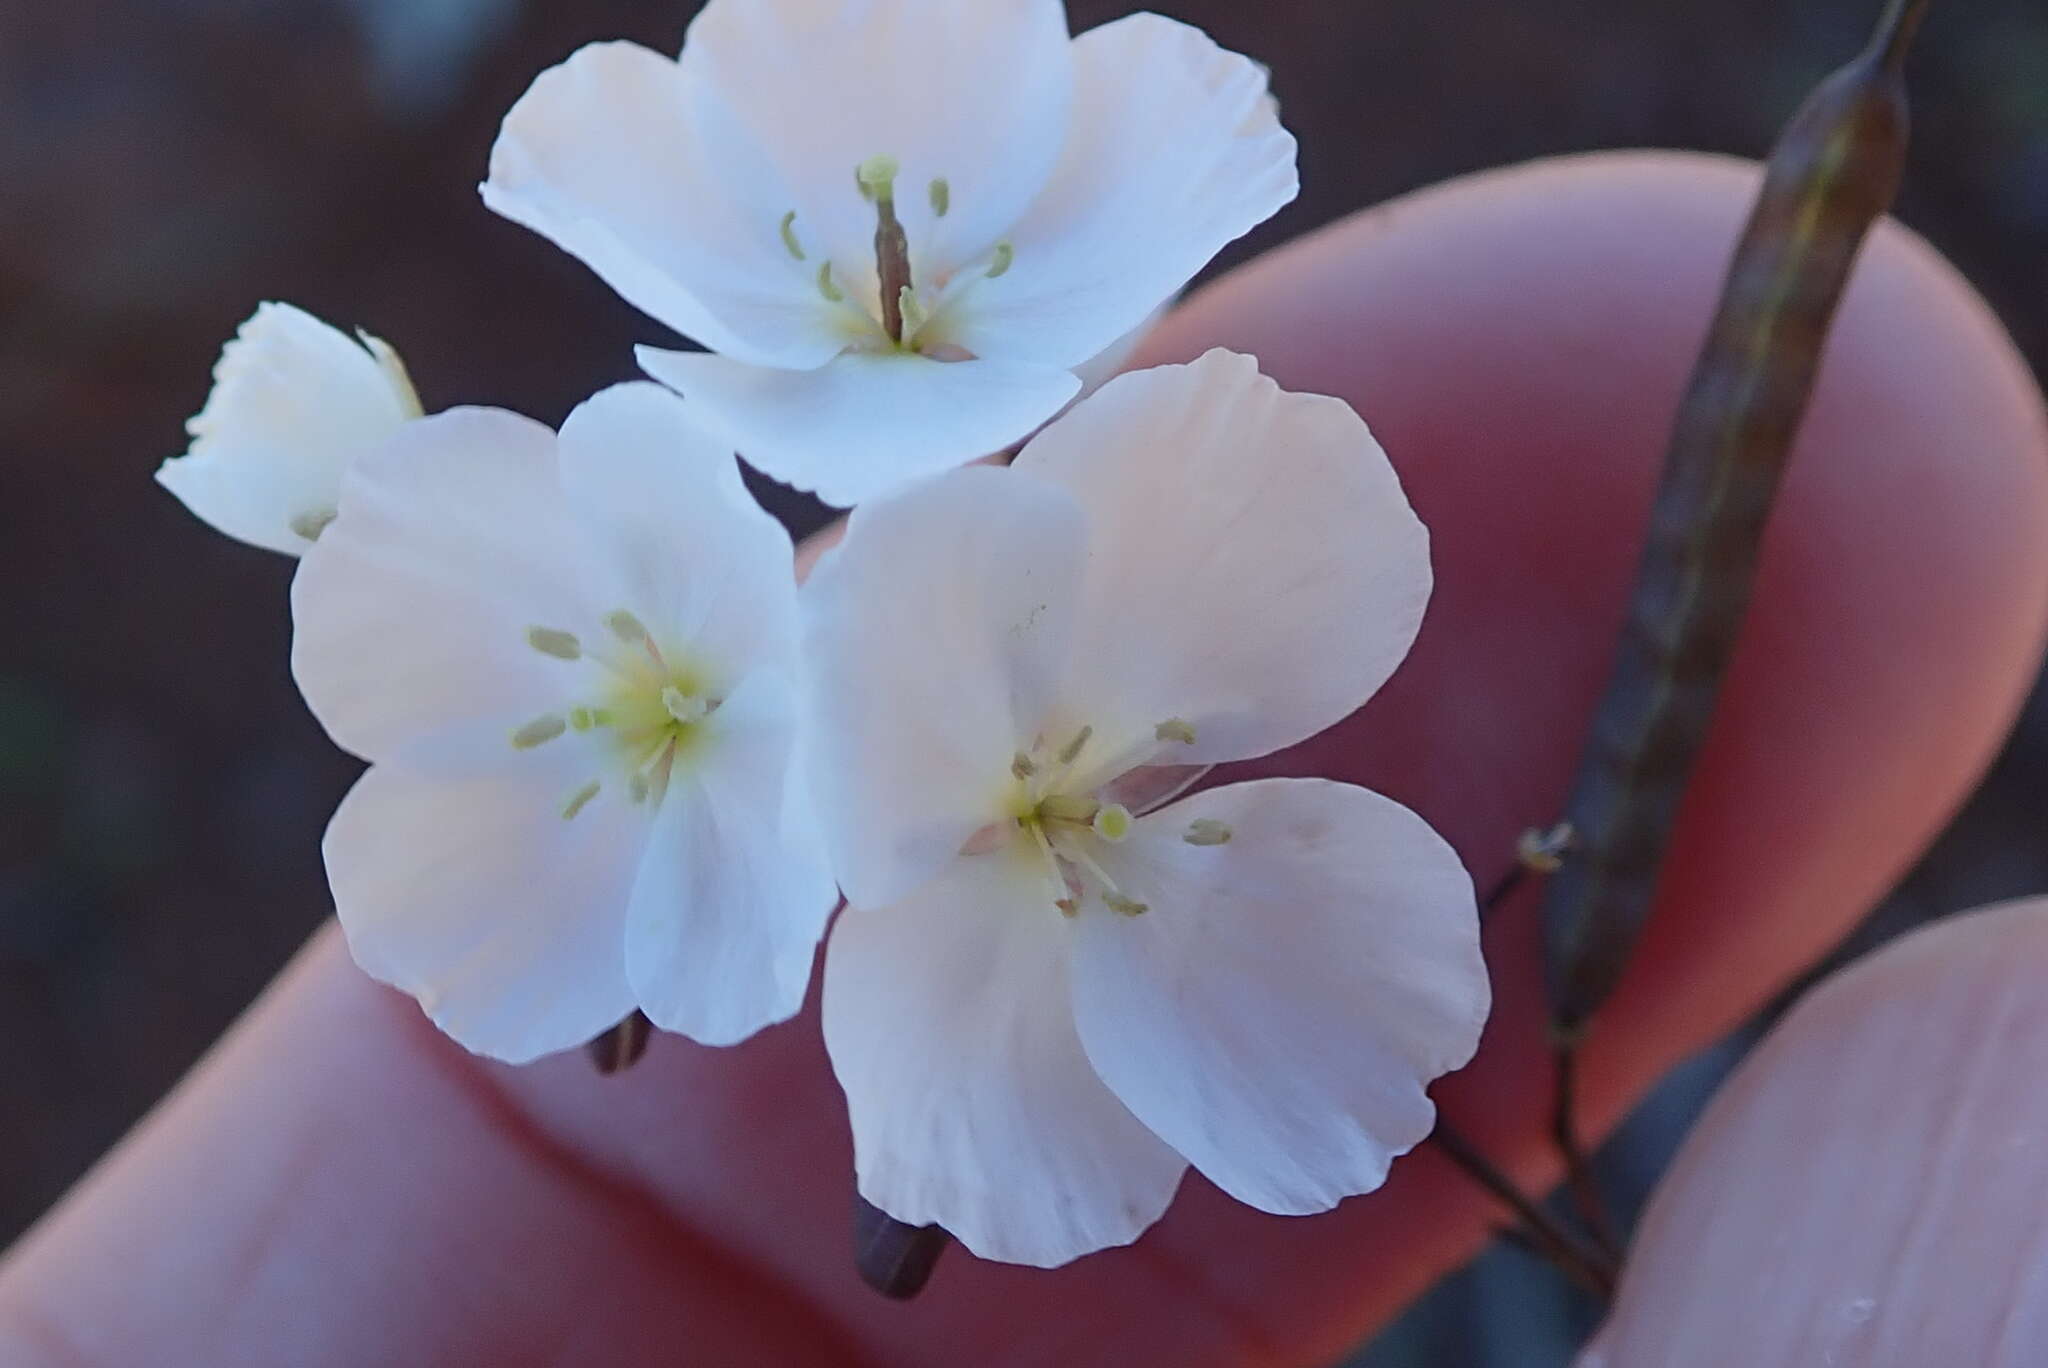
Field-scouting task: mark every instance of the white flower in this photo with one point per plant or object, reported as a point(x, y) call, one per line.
point(900, 225)
point(572, 662)
point(1049, 994)
point(294, 401)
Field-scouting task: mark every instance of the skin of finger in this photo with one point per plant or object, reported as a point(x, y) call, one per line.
point(1871, 1187)
point(1518, 341)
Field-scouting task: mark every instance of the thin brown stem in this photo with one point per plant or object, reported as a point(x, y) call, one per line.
point(1590, 1269)
point(1503, 888)
point(1580, 1180)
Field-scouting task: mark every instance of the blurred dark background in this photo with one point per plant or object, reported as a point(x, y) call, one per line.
point(165, 164)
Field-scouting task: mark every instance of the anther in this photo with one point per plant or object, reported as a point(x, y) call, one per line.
point(825, 285)
point(942, 196)
point(549, 641)
point(311, 525)
point(626, 627)
point(538, 732)
point(1021, 766)
point(1206, 831)
point(1072, 750)
point(1129, 907)
point(579, 799)
point(1000, 262)
point(796, 249)
point(1174, 729)
point(1543, 850)
point(1068, 907)
point(1112, 822)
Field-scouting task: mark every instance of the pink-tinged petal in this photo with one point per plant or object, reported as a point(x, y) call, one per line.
point(865, 424)
point(1870, 1188)
point(977, 94)
point(1254, 568)
point(692, 552)
point(972, 1103)
point(458, 880)
point(733, 893)
point(934, 635)
point(410, 613)
point(1174, 150)
point(601, 156)
point(1277, 1012)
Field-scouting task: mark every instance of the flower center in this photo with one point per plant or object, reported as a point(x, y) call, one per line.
point(1064, 809)
point(649, 707)
point(906, 317)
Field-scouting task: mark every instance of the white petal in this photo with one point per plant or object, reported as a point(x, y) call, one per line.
point(294, 401)
point(1254, 568)
point(1099, 369)
point(1277, 1012)
point(410, 613)
point(972, 1104)
point(733, 892)
point(934, 636)
point(975, 93)
point(865, 423)
point(602, 157)
point(1175, 149)
point(663, 503)
point(458, 881)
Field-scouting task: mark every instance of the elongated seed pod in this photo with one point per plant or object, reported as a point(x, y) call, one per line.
point(1832, 174)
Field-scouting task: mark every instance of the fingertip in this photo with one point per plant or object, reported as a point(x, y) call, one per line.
point(1868, 1188)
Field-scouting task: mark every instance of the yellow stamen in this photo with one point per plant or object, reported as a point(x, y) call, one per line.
point(796, 249)
point(549, 641)
point(825, 285)
point(1072, 750)
point(915, 315)
point(1206, 831)
point(942, 196)
point(311, 525)
point(579, 799)
point(538, 732)
point(1004, 255)
point(626, 627)
point(1055, 880)
point(1174, 729)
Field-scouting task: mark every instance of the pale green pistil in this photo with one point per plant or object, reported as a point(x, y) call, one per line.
point(903, 314)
